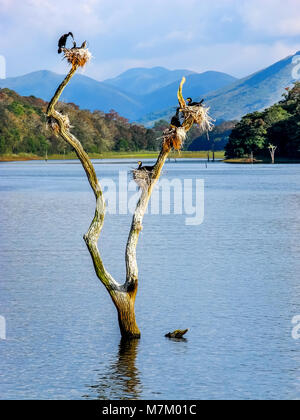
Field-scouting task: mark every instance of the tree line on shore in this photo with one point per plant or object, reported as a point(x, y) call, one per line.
point(23, 129)
point(277, 126)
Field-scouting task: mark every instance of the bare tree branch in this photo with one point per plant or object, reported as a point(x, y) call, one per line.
point(92, 236)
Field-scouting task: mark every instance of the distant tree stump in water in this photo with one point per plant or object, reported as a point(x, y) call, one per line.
point(177, 334)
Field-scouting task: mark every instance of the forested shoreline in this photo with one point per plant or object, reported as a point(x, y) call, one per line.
point(23, 129)
point(278, 126)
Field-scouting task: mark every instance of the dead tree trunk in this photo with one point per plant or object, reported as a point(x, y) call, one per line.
point(272, 152)
point(122, 295)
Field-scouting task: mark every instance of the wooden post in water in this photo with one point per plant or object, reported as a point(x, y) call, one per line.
point(272, 149)
point(208, 139)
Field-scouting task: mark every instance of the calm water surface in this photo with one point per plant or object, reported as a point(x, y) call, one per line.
point(233, 281)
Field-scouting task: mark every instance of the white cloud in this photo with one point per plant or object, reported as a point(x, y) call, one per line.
point(173, 36)
point(271, 17)
point(226, 19)
point(234, 58)
point(290, 26)
point(180, 36)
point(238, 36)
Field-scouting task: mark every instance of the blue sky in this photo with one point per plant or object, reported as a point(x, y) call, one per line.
point(235, 36)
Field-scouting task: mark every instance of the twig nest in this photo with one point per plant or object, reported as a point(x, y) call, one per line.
point(77, 57)
point(201, 116)
point(174, 137)
point(142, 177)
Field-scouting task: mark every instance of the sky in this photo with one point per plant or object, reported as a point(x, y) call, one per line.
point(238, 37)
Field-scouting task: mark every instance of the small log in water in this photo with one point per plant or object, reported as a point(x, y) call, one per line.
point(177, 334)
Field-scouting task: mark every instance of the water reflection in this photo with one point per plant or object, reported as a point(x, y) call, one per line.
point(121, 378)
point(241, 266)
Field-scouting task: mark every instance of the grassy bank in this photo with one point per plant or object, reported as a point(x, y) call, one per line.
point(243, 160)
point(21, 157)
point(111, 155)
point(261, 160)
point(142, 155)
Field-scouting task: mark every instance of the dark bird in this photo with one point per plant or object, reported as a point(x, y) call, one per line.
point(63, 40)
point(144, 168)
point(175, 121)
point(191, 103)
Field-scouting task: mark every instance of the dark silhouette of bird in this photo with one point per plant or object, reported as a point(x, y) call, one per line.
point(175, 121)
point(144, 168)
point(190, 102)
point(63, 40)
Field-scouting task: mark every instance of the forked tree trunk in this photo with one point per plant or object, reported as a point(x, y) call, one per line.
point(123, 295)
point(272, 152)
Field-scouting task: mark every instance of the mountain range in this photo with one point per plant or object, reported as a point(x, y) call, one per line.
point(142, 81)
point(252, 93)
point(85, 92)
point(148, 95)
point(133, 94)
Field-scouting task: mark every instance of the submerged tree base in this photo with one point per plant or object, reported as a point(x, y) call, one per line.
point(124, 303)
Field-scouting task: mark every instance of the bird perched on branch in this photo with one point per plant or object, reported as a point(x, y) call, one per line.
point(63, 40)
point(190, 102)
point(175, 121)
point(144, 168)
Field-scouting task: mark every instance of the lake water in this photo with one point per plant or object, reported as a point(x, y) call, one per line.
point(233, 281)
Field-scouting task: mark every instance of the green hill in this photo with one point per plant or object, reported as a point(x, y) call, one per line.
point(278, 125)
point(23, 128)
point(87, 93)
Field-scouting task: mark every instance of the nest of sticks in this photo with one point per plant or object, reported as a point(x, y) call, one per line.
point(142, 177)
point(77, 57)
point(173, 137)
point(201, 116)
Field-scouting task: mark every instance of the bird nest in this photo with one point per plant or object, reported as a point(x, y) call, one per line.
point(77, 57)
point(173, 137)
point(142, 177)
point(201, 116)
